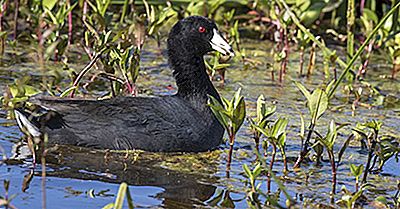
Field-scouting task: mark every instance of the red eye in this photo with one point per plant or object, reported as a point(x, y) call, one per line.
point(202, 29)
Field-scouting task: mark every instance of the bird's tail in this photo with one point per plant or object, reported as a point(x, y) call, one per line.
point(27, 122)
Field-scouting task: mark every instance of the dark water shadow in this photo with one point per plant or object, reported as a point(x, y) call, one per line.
point(181, 189)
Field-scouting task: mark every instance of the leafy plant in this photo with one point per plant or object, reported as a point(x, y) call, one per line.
point(6, 200)
point(119, 200)
point(263, 112)
point(276, 136)
point(231, 116)
point(317, 102)
point(252, 176)
point(349, 199)
point(19, 92)
point(328, 142)
point(356, 171)
point(369, 131)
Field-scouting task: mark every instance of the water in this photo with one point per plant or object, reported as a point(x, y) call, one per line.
point(84, 178)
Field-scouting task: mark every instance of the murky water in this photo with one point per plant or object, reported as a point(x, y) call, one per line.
point(83, 178)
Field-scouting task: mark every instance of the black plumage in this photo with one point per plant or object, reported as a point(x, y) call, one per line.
point(181, 122)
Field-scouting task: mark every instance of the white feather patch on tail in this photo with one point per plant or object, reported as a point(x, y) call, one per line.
point(25, 124)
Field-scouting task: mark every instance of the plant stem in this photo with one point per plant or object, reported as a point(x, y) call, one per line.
point(84, 12)
point(85, 70)
point(357, 183)
point(285, 49)
point(296, 21)
point(271, 166)
point(311, 63)
point(43, 160)
point(231, 141)
point(304, 147)
point(350, 29)
point(16, 11)
point(361, 49)
point(69, 23)
point(40, 41)
point(257, 141)
point(124, 8)
point(332, 160)
point(395, 67)
point(301, 60)
point(3, 8)
point(366, 169)
point(285, 165)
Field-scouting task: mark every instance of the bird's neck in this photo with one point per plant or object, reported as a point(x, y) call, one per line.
point(191, 77)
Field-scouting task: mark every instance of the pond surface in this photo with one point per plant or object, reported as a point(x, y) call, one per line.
point(83, 178)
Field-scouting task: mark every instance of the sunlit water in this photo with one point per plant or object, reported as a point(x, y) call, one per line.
point(82, 178)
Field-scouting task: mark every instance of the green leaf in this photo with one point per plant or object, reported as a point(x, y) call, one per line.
point(247, 171)
point(237, 97)
point(331, 136)
point(239, 114)
point(303, 90)
point(282, 141)
point(370, 15)
point(312, 13)
point(51, 15)
point(119, 201)
point(218, 110)
point(317, 104)
point(344, 147)
point(109, 206)
point(264, 131)
point(279, 127)
point(49, 4)
point(356, 170)
point(263, 112)
point(51, 49)
point(257, 170)
point(30, 90)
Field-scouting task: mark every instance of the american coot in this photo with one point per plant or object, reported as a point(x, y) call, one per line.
point(181, 122)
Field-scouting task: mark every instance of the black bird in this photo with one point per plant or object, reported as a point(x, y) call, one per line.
point(180, 122)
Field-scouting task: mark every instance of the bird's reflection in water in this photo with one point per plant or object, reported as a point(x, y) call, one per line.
point(181, 189)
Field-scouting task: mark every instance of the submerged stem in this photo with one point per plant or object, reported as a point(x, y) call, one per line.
point(304, 147)
point(367, 167)
point(228, 165)
point(332, 160)
point(271, 166)
point(16, 11)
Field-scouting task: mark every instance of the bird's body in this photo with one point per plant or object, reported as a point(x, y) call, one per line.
point(181, 122)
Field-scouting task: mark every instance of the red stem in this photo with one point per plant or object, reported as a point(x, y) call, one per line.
point(271, 166)
point(332, 159)
point(70, 23)
point(301, 60)
point(231, 141)
point(16, 4)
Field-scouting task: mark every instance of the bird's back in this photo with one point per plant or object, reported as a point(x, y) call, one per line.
point(167, 124)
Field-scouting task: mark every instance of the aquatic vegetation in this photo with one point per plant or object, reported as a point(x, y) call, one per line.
point(120, 198)
point(5, 201)
point(349, 199)
point(105, 49)
point(328, 142)
point(317, 103)
point(263, 112)
point(356, 171)
point(369, 131)
point(230, 114)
